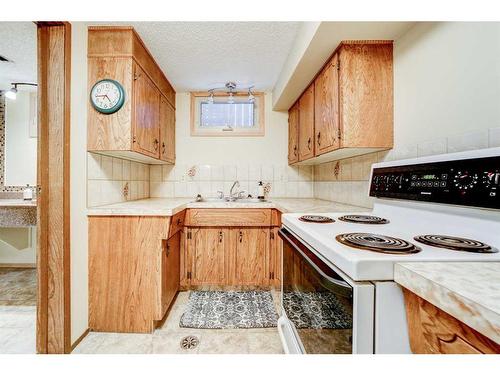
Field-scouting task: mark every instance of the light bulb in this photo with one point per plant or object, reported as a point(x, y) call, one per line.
point(211, 99)
point(251, 98)
point(11, 94)
point(230, 100)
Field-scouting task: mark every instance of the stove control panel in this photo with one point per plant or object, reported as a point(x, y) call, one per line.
point(470, 182)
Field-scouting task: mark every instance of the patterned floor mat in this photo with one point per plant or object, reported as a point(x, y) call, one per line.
point(228, 309)
point(316, 310)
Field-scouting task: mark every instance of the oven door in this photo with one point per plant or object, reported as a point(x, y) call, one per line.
point(321, 305)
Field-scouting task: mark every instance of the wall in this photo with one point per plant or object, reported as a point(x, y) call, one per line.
point(113, 180)
point(446, 99)
point(78, 182)
point(217, 162)
point(20, 148)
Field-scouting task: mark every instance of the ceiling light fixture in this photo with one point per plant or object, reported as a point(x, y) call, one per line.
point(12, 93)
point(230, 89)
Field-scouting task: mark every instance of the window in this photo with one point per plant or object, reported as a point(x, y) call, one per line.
point(221, 118)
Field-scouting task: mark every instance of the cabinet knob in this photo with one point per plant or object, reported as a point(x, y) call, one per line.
point(319, 138)
point(156, 143)
point(163, 147)
point(295, 150)
point(309, 143)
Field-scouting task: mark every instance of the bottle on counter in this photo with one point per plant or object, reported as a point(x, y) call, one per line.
point(28, 193)
point(260, 194)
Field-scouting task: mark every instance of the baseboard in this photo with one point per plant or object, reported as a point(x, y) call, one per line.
point(79, 339)
point(17, 265)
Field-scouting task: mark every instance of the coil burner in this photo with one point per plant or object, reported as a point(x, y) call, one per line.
point(363, 219)
point(378, 243)
point(455, 243)
point(316, 219)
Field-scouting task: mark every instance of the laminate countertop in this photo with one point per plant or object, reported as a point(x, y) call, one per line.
point(470, 291)
point(170, 206)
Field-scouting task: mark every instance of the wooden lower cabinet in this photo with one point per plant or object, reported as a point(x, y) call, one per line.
point(170, 270)
point(249, 261)
point(433, 331)
point(226, 256)
point(133, 272)
point(207, 251)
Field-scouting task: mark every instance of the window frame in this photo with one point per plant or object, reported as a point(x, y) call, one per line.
point(258, 131)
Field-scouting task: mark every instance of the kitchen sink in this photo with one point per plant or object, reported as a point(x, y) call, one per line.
point(228, 200)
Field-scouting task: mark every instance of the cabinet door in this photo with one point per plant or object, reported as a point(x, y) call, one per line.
point(170, 271)
point(275, 257)
point(250, 256)
point(306, 124)
point(326, 108)
point(146, 117)
point(167, 131)
point(207, 249)
point(293, 134)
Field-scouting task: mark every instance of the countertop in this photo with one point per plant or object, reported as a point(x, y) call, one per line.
point(470, 292)
point(170, 206)
point(17, 203)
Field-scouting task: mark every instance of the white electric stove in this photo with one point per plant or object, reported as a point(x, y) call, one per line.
point(338, 293)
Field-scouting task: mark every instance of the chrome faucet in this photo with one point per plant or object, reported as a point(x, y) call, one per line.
point(235, 185)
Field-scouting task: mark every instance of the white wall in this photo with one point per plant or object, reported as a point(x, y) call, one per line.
point(219, 161)
point(272, 148)
point(78, 181)
point(20, 149)
point(17, 246)
point(446, 86)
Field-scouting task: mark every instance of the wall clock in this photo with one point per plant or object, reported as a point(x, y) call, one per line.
point(107, 96)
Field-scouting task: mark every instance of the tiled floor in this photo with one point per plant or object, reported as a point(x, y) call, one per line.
point(17, 311)
point(17, 287)
point(167, 339)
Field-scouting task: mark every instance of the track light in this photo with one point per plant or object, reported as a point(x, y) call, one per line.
point(12, 93)
point(251, 97)
point(211, 97)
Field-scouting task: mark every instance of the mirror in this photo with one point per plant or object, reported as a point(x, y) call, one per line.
point(20, 151)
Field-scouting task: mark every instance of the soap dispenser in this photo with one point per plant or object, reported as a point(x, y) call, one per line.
point(28, 193)
point(260, 194)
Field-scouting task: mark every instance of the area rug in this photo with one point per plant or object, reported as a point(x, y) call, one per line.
point(229, 309)
point(317, 310)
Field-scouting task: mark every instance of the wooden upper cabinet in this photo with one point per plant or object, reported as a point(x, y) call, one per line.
point(208, 251)
point(293, 134)
point(326, 108)
point(133, 132)
point(306, 124)
point(353, 104)
point(250, 256)
point(167, 131)
point(146, 138)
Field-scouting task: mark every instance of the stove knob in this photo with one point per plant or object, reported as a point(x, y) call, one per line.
point(465, 180)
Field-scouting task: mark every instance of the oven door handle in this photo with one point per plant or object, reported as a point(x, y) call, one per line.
point(283, 234)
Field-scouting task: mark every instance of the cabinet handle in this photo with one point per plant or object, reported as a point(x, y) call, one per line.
point(220, 237)
point(241, 236)
point(156, 142)
point(163, 147)
point(295, 151)
point(319, 138)
point(309, 143)
point(179, 221)
point(168, 249)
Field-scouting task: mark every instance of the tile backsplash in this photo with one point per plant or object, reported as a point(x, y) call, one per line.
point(347, 180)
point(113, 180)
point(190, 180)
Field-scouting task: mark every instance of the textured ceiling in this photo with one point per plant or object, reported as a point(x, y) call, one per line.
point(201, 55)
point(18, 44)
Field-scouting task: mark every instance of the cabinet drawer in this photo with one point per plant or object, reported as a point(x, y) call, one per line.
point(177, 223)
point(200, 217)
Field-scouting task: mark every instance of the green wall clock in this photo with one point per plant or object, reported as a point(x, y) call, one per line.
point(107, 96)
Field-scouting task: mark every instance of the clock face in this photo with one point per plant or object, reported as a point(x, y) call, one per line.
point(107, 96)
